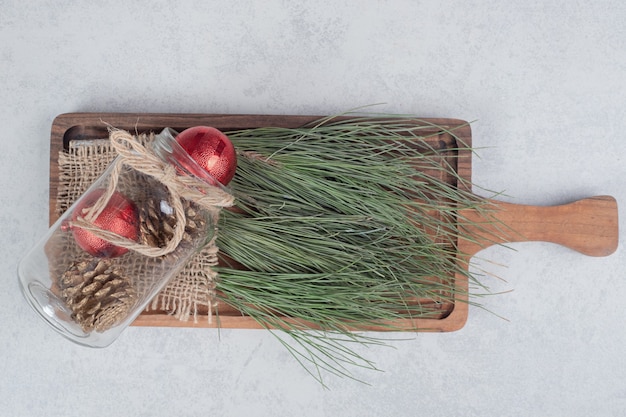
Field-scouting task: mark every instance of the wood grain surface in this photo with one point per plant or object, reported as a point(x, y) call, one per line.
point(589, 226)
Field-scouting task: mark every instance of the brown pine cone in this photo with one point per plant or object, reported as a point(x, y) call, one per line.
point(157, 227)
point(97, 294)
point(196, 222)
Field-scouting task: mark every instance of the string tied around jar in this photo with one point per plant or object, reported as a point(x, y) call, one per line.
point(143, 159)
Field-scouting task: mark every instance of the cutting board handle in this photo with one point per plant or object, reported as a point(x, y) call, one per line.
point(589, 226)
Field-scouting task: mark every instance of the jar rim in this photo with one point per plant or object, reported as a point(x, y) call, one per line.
point(166, 146)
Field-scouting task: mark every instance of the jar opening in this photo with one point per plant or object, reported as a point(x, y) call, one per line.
point(166, 147)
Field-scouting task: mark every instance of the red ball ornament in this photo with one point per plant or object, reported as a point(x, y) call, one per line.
point(212, 150)
point(120, 216)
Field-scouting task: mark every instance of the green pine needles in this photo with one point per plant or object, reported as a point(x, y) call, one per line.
point(349, 223)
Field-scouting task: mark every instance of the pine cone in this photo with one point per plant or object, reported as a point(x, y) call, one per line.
point(97, 294)
point(196, 222)
point(157, 227)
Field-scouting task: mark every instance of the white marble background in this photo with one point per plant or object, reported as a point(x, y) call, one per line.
point(545, 82)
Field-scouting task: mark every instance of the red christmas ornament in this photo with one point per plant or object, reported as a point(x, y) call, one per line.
point(212, 150)
point(120, 216)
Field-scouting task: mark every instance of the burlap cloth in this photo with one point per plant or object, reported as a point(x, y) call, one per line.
point(191, 293)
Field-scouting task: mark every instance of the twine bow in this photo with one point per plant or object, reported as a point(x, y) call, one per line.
point(142, 159)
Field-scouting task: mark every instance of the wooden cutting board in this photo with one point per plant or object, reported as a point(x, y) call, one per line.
point(589, 226)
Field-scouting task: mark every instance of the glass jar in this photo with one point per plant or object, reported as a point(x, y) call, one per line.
point(123, 240)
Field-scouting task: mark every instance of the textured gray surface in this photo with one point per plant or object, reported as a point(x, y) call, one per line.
point(546, 84)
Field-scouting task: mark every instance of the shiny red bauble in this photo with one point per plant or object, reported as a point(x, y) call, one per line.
point(212, 150)
point(120, 216)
